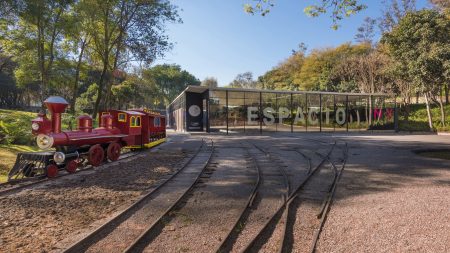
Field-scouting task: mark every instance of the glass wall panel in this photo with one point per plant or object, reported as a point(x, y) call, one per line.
point(357, 109)
point(217, 111)
point(389, 112)
point(340, 113)
point(269, 109)
point(253, 118)
point(382, 116)
point(327, 113)
point(236, 112)
point(176, 113)
point(313, 118)
point(300, 112)
point(284, 112)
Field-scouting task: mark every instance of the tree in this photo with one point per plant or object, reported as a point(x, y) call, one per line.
point(339, 8)
point(366, 32)
point(317, 69)
point(244, 80)
point(441, 4)
point(32, 32)
point(368, 72)
point(285, 76)
point(124, 31)
point(170, 80)
point(420, 43)
point(210, 82)
point(395, 10)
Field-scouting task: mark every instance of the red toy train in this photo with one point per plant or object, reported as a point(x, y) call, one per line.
point(132, 128)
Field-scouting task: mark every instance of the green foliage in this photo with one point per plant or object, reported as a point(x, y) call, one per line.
point(315, 71)
point(244, 80)
point(170, 80)
point(420, 42)
point(338, 8)
point(418, 118)
point(210, 82)
point(86, 100)
point(15, 127)
point(420, 45)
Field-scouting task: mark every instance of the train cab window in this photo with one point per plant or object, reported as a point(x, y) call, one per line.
point(138, 121)
point(157, 122)
point(135, 121)
point(122, 117)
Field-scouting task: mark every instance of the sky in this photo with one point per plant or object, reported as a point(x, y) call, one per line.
point(218, 39)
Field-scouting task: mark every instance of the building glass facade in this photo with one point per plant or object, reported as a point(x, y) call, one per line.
point(260, 111)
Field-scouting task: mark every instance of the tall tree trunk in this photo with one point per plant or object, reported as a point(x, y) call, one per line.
point(441, 105)
point(430, 119)
point(100, 90)
point(105, 59)
point(77, 77)
point(370, 110)
point(446, 93)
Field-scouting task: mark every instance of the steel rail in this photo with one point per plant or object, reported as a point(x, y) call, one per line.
point(223, 246)
point(329, 200)
point(286, 213)
point(282, 207)
point(28, 182)
point(90, 239)
point(140, 243)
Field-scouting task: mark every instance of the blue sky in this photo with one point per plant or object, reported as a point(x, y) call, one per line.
point(218, 39)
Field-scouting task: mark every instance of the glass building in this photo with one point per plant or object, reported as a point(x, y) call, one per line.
point(249, 111)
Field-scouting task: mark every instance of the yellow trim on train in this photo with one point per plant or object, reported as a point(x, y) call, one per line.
point(150, 144)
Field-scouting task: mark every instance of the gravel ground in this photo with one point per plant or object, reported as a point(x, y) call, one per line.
point(268, 200)
point(215, 205)
point(118, 237)
point(390, 200)
point(36, 219)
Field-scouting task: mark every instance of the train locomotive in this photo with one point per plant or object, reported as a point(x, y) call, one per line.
point(69, 150)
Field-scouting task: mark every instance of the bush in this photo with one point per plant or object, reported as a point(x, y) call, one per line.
point(15, 127)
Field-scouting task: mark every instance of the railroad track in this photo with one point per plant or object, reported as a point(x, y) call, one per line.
point(283, 210)
point(18, 185)
point(327, 203)
point(136, 217)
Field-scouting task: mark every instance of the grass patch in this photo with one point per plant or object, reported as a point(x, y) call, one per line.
point(8, 155)
point(418, 118)
point(440, 154)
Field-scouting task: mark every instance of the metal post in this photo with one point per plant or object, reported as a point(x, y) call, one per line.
point(276, 106)
point(346, 111)
point(244, 112)
point(396, 117)
point(307, 111)
point(320, 112)
point(226, 108)
point(292, 114)
point(207, 113)
point(260, 113)
point(334, 113)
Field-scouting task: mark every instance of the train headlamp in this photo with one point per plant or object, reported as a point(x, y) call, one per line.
point(59, 157)
point(44, 141)
point(35, 126)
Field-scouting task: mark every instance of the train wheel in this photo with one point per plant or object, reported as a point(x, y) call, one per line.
point(113, 151)
point(52, 170)
point(96, 155)
point(72, 166)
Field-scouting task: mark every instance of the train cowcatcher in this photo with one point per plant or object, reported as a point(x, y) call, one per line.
point(86, 145)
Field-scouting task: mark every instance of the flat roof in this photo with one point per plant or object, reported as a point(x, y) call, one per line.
point(202, 89)
point(299, 92)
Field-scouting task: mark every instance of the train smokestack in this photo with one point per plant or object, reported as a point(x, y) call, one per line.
point(56, 106)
